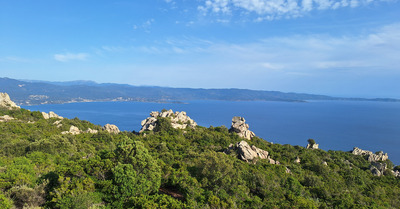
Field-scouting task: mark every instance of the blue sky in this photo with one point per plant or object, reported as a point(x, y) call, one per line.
point(333, 47)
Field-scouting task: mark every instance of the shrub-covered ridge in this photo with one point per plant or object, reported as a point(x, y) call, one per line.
point(174, 168)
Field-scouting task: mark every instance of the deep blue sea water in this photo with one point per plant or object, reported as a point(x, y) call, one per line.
point(335, 125)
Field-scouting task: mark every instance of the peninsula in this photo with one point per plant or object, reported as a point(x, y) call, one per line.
point(43, 92)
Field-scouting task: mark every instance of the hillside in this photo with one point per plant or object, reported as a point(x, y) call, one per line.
point(41, 92)
point(69, 163)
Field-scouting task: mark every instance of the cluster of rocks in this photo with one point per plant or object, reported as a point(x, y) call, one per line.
point(58, 123)
point(6, 118)
point(51, 114)
point(312, 146)
point(110, 128)
point(377, 167)
point(6, 102)
point(75, 131)
point(179, 120)
point(240, 127)
point(249, 153)
point(396, 173)
point(372, 157)
point(113, 129)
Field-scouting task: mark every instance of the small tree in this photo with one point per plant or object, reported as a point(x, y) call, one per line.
point(137, 172)
point(311, 141)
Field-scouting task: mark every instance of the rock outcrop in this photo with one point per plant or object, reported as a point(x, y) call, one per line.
point(72, 130)
point(240, 127)
point(58, 123)
point(51, 114)
point(179, 120)
point(6, 118)
point(6, 102)
point(312, 146)
point(396, 173)
point(378, 169)
point(372, 157)
point(110, 128)
point(249, 153)
point(75, 131)
point(91, 131)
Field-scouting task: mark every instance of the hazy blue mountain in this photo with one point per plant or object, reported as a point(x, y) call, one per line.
point(31, 92)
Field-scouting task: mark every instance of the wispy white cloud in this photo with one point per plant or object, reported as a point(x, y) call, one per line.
point(66, 57)
point(13, 59)
point(378, 49)
point(273, 9)
point(146, 25)
point(291, 62)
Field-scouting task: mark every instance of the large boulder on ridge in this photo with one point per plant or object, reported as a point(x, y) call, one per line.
point(179, 120)
point(6, 102)
point(240, 127)
point(51, 114)
point(248, 153)
point(372, 157)
point(110, 128)
point(72, 130)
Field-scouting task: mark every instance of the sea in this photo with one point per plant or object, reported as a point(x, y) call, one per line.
point(334, 125)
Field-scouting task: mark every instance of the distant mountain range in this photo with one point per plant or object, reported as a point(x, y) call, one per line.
point(28, 92)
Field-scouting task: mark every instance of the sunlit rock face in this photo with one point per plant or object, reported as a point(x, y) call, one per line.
point(6, 102)
point(249, 153)
point(51, 114)
point(179, 120)
point(240, 127)
point(312, 146)
point(110, 128)
point(372, 157)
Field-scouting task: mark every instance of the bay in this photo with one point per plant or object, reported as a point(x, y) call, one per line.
point(335, 125)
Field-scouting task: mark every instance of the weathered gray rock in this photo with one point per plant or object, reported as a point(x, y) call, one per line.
point(72, 130)
point(6, 118)
point(110, 128)
point(288, 170)
point(75, 131)
point(372, 157)
point(240, 127)
point(51, 114)
point(375, 171)
point(378, 157)
point(6, 102)
point(91, 131)
point(297, 160)
point(58, 123)
point(396, 173)
point(312, 146)
point(378, 169)
point(249, 153)
point(179, 120)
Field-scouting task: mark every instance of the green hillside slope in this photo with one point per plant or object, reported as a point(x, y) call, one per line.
point(173, 168)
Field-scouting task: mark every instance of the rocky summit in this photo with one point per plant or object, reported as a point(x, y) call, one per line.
point(6, 102)
point(312, 146)
point(179, 120)
point(110, 128)
point(51, 114)
point(372, 157)
point(240, 127)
